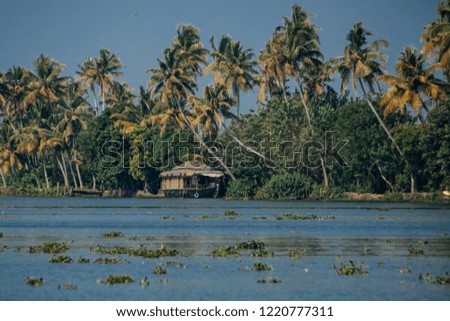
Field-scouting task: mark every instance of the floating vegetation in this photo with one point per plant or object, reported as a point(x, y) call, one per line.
point(159, 270)
point(350, 269)
point(51, 247)
point(261, 253)
point(60, 259)
point(404, 271)
point(116, 279)
point(163, 282)
point(226, 251)
point(296, 217)
point(380, 264)
point(231, 214)
point(427, 277)
point(416, 251)
point(34, 282)
point(207, 217)
point(173, 263)
point(168, 218)
point(3, 248)
point(134, 238)
point(270, 280)
point(144, 282)
point(1, 235)
point(251, 245)
point(68, 286)
point(107, 260)
point(259, 218)
point(296, 254)
point(131, 251)
point(258, 266)
point(150, 238)
point(83, 260)
point(442, 280)
point(113, 234)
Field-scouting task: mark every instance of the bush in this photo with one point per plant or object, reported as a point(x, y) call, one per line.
point(241, 189)
point(286, 186)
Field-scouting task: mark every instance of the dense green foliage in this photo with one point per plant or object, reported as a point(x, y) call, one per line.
point(304, 139)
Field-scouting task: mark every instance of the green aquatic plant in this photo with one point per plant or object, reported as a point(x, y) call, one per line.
point(226, 251)
point(141, 251)
point(251, 245)
point(144, 282)
point(150, 238)
point(51, 247)
point(113, 234)
point(159, 270)
point(231, 214)
point(270, 280)
point(404, 271)
point(258, 266)
point(207, 217)
point(1, 235)
point(134, 238)
point(350, 269)
point(416, 251)
point(107, 260)
point(60, 259)
point(83, 260)
point(34, 282)
point(68, 286)
point(296, 254)
point(168, 218)
point(173, 263)
point(163, 282)
point(296, 217)
point(380, 264)
point(116, 279)
point(259, 218)
point(261, 253)
point(442, 280)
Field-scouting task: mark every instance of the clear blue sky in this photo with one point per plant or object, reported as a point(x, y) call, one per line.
point(138, 30)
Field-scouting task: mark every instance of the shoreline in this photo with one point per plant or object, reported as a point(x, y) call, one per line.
point(420, 197)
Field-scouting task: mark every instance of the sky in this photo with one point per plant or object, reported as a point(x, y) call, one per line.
point(138, 30)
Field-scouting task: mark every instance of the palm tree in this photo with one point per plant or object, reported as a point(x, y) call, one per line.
point(412, 84)
point(88, 78)
point(360, 63)
point(437, 39)
point(233, 66)
point(171, 84)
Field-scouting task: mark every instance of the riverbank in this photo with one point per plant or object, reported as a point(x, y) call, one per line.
point(347, 196)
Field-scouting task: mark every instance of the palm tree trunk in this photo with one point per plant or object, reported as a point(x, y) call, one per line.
point(202, 142)
point(62, 166)
point(3, 177)
point(38, 183)
point(73, 175)
point(79, 175)
point(380, 121)
point(413, 183)
point(46, 177)
point(94, 182)
point(95, 100)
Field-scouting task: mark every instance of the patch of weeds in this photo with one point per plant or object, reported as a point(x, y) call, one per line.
point(226, 251)
point(261, 253)
point(4, 248)
point(380, 218)
point(163, 282)
point(427, 277)
point(259, 218)
point(113, 234)
point(258, 266)
point(144, 282)
point(159, 270)
point(67, 287)
point(296, 254)
point(350, 269)
point(173, 263)
point(116, 279)
point(404, 271)
point(107, 260)
point(34, 282)
point(442, 280)
point(168, 218)
point(51, 248)
point(251, 245)
point(132, 251)
point(134, 238)
point(231, 214)
point(150, 238)
point(207, 217)
point(416, 251)
point(60, 259)
point(270, 281)
point(380, 264)
point(1, 235)
point(83, 260)
point(296, 217)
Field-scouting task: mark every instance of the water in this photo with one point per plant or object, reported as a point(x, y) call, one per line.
point(376, 235)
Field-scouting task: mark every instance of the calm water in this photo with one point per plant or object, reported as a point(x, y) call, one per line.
point(376, 235)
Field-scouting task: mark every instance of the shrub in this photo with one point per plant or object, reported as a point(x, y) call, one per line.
point(241, 189)
point(286, 186)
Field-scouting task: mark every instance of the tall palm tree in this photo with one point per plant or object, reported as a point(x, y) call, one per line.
point(47, 84)
point(88, 77)
point(171, 84)
point(361, 63)
point(234, 66)
point(412, 84)
point(437, 39)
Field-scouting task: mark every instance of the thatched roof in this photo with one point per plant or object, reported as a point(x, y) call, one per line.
point(191, 168)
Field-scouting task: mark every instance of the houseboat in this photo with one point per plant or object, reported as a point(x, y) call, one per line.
point(192, 179)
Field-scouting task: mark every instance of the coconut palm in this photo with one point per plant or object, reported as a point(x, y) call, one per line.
point(88, 77)
point(233, 66)
point(361, 63)
point(437, 39)
point(412, 84)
